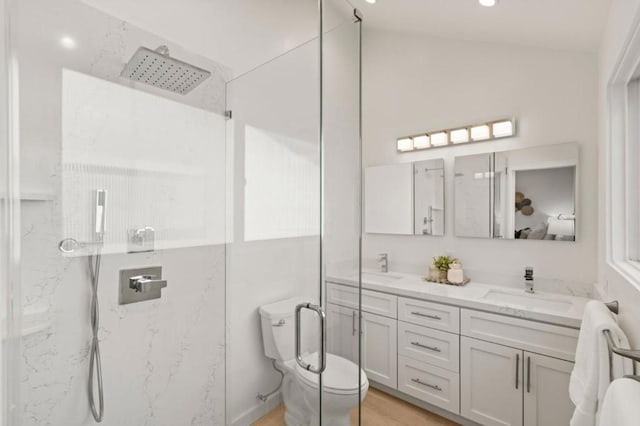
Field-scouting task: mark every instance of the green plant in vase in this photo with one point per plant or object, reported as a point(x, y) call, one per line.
point(442, 265)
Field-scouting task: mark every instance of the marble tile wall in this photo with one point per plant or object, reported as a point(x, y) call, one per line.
point(163, 360)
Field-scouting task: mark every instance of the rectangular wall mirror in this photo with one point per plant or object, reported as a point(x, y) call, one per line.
point(518, 194)
point(405, 199)
point(472, 190)
point(428, 197)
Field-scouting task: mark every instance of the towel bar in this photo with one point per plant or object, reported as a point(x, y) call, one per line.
point(613, 349)
point(627, 353)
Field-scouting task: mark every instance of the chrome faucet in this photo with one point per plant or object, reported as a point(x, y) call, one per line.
point(528, 279)
point(383, 260)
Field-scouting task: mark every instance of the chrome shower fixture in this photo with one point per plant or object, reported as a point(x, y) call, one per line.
point(157, 68)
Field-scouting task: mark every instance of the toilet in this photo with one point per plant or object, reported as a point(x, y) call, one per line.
point(300, 387)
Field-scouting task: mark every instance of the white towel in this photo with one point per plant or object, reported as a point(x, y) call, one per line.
point(590, 375)
point(620, 406)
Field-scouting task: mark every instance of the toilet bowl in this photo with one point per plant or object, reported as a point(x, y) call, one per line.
point(340, 390)
point(344, 385)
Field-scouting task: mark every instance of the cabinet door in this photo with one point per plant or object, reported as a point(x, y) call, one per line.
point(380, 349)
point(546, 391)
point(491, 383)
point(342, 332)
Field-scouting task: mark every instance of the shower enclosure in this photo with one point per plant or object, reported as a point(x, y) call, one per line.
point(224, 138)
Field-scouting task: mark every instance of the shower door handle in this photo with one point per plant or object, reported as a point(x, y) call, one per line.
point(322, 351)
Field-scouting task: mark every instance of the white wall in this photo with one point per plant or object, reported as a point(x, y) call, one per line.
point(623, 18)
point(414, 84)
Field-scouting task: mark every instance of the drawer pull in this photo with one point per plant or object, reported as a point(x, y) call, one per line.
point(420, 382)
point(517, 369)
point(528, 374)
point(420, 314)
point(431, 348)
point(353, 323)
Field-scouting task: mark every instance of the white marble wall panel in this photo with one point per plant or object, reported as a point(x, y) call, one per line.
point(163, 360)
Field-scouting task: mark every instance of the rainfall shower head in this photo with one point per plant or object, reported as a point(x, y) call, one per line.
point(156, 68)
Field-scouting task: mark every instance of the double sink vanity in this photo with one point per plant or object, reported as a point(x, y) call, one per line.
point(481, 353)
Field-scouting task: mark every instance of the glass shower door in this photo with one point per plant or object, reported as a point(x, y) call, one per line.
point(344, 383)
point(128, 169)
point(293, 227)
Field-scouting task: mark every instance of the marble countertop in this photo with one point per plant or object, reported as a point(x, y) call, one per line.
point(559, 309)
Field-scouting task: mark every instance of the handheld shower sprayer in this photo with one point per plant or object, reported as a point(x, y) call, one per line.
point(68, 246)
point(101, 217)
point(95, 362)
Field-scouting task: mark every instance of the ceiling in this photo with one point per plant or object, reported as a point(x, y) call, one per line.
point(558, 24)
point(239, 34)
point(242, 34)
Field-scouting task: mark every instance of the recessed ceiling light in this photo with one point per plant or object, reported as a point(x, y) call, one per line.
point(67, 42)
point(371, 1)
point(488, 3)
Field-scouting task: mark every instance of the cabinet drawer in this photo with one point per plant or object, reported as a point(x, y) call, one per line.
point(546, 339)
point(434, 315)
point(372, 301)
point(428, 383)
point(434, 347)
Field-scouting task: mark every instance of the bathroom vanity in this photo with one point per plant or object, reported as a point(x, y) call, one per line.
point(489, 354)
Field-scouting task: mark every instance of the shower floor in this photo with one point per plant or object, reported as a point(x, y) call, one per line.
point(378, 409)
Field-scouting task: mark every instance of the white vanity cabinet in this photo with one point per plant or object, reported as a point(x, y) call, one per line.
point(342, 329)
point(379, 330)
point(507, 386)
point(379, 342)
point(491, 383)
point(379, 349)
point(546, 392)
point(489, 368)
point(510, 385)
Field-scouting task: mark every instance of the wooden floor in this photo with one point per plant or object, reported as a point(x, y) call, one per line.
point(378, 409)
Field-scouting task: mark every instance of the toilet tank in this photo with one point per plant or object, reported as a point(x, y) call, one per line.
point(278, 328)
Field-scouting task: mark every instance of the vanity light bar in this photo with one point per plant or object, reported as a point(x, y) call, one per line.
point(468, 134)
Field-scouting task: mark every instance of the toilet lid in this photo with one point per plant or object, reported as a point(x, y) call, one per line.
point(340, 376)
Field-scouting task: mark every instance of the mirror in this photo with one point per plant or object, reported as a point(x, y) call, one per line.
point(519, 194)
point(405, 199)
point(428, 197)
point(472, 200)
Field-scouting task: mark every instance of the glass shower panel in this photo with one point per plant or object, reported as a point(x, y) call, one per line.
point(123, 171)
point(344, 382)
point(9, 232)
point(273, 251)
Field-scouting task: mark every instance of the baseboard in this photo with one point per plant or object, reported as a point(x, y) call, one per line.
point(436, 410)
point(259, 410)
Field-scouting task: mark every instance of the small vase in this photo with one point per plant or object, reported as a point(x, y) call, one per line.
point(434, 273)
point(442, 276)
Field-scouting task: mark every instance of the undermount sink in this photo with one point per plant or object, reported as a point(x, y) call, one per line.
point(379, 277)
point(526, 300)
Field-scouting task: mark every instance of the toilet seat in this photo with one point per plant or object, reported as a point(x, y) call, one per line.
point(339, 378)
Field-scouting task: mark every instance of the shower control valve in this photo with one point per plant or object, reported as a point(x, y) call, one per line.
point(146, 283)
